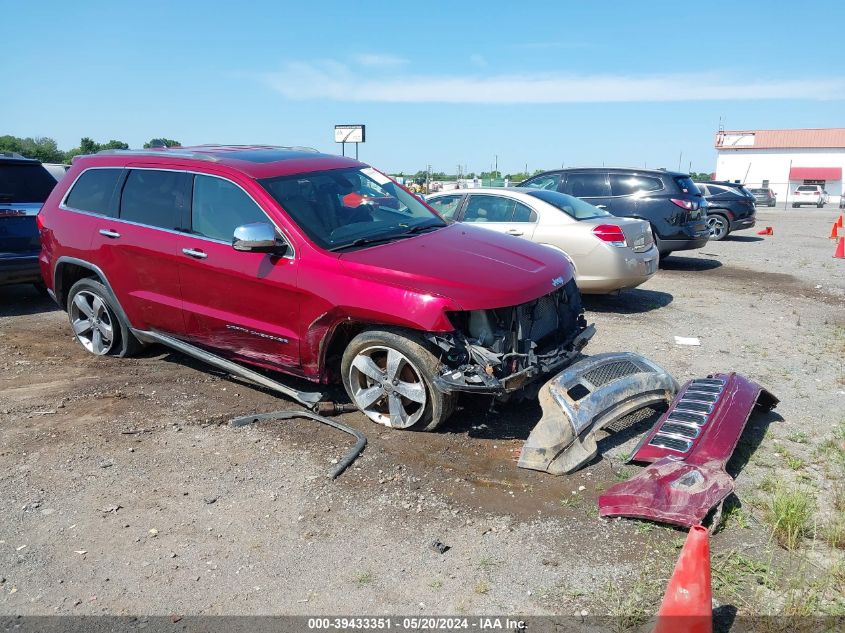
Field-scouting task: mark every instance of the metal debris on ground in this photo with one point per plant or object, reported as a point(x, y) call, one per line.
point(343, 464)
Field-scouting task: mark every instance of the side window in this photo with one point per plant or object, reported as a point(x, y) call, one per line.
point(93, 191)
point(219, 207)
point(484, 208)
point(523, 213)
point(155, 198)
point(547, 181)
point(629, 184)
point(587, 185)
point(446, 206)
point(702, 189)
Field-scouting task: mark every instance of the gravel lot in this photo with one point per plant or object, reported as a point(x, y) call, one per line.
point(125, 492)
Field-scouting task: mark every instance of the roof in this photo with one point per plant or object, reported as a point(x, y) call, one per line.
point(815, 173)
point(826, 138)
point(256, 161)
point(637, 170)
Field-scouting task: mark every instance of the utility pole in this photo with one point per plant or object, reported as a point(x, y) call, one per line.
point(680, 158)
point(496, 165)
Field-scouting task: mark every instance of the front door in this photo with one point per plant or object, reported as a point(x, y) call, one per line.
point(244, 304)
point(500, 213)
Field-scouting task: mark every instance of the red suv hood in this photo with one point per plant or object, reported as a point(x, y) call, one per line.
point(476, 268)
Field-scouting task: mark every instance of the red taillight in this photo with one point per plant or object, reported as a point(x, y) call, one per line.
point(796, 192)
point(610, 233)
point(39, 222)
point(689, 205)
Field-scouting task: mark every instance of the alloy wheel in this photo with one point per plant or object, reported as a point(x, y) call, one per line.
point(92, 322)
point(387, 387)
point(718, 227)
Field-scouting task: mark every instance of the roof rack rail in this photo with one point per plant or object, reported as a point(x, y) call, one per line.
point(299, 148)
point(14, 155)
point(158, 152)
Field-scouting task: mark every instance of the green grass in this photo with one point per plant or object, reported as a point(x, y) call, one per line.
point(790, 513)
point(795, 463)
point(486, 563)
point(482, 588)
point(799, 438)
point(363, 579)
point(436, 584)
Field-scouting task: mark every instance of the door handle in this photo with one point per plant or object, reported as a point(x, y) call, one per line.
point(601, 206)
point(190, 252)
point(109, 233)
point(513, 232)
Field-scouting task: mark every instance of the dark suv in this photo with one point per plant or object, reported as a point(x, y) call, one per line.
point(24, 186)
point(730, 207)
point(670, 201)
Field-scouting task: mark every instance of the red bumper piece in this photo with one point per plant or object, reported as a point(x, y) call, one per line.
point(689, 447)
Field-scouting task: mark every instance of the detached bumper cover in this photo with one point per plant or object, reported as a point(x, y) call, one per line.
point(583, 399)
point(688, 449)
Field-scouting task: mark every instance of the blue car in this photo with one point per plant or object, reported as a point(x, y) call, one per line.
point(24, 186)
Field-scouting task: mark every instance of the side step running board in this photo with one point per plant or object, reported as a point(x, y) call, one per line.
point(305, 398)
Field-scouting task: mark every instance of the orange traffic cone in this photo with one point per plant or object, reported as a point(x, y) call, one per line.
point(839, 221)
point(688, 604)
point(840, 249)
point(834, 229)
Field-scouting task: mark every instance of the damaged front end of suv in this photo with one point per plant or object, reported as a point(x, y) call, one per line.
point(501, 350)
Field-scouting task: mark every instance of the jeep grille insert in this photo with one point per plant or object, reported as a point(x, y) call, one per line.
point(604, 374)
point(673, 443)
point(688, 415)
point(687, 430)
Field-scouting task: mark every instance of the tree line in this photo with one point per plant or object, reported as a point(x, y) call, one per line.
point(46, 149)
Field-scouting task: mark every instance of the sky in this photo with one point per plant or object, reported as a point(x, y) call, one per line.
point(536, 84)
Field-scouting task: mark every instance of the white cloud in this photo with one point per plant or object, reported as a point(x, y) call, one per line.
point(375, 60)
point(335, 81)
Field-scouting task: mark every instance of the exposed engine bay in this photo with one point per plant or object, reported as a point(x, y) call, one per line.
point(501, 350)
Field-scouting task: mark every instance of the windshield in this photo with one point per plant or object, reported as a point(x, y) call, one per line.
point(24, 182)
point(573, 207)
point(349, 208)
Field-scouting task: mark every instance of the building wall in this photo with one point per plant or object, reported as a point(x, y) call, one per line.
point(773, 165)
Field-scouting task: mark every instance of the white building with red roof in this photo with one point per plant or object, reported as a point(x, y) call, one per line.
point(783, 159)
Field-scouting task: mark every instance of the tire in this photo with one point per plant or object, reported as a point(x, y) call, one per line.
point(365, 375)
point(719, 226)
point(820, 205)
point(794, 206)
point(95, 322)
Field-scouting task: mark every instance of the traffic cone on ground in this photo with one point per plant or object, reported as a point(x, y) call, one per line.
point(834, 229)
point(840, 249)
point(688, 604)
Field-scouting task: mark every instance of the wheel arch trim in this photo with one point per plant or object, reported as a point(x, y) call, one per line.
point(61, 293)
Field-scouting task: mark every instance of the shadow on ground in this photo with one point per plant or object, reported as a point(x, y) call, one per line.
point(23, 299)
point(743, 238)
point(686, 264)
point(634, 301)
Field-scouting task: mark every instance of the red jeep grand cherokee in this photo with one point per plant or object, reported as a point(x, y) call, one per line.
point(305, 263)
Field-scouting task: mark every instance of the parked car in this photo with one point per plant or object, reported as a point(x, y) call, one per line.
point(764, 196)
point(24, 186)
point(57, 170)
point(608, 253)
point(842, 201)
point(310, 264)
point(808, 194)
point(669, 201)
point(730, 207)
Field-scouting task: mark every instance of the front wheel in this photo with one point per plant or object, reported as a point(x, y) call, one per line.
point(719, 227)
point(388, 376)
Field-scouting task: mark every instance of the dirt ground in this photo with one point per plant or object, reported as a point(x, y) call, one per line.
point(126, 492)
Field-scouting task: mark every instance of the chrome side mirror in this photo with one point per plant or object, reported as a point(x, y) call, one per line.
point(258, 237)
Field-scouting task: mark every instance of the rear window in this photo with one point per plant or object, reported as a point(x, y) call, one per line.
point(630, 184)
point(687, 185)
point(808, 188)
point(759, 191)
point(571, 206)
point(155, 198)
point(92, 192)
point(24, 182)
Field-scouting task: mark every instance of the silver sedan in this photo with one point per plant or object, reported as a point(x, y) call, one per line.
point(608, 253)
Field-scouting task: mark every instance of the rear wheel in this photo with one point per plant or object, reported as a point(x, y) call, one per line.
point(794, 206)
point(388, 376)
point(820, 205)
point(719, 226)
point(95, 322)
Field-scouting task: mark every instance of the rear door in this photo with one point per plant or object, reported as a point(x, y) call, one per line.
point(24, 186)
point(591, 186)
point(500, 213)
point(138, 250)
point(245, 304)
